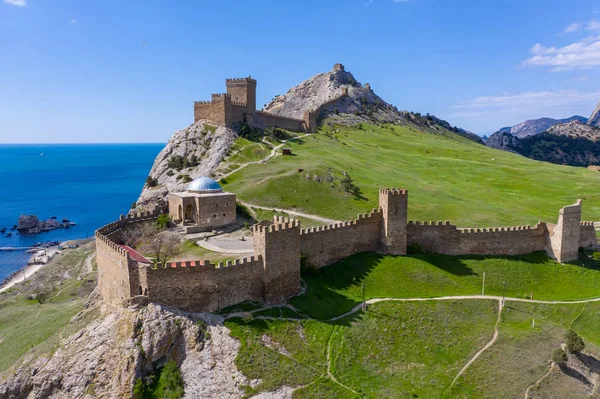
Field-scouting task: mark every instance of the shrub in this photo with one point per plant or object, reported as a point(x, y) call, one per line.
point(176, 162)
point(151, 182)
point(163, 221)
point(349, 186)
point(139, 389)
point(559, 356)
point(573, 342)
point(41, 297)
point(133, 205)
point(170, 173)
point(194, 161)
point(170, 381)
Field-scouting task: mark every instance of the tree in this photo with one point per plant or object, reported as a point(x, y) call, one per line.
point(573, 342)
point(164, 246)
point(559, 356)
point(139, 389)
point(162, 222)
point(133, 235)
point(171, 381)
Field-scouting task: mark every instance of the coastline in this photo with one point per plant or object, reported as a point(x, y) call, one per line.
point(29, 270)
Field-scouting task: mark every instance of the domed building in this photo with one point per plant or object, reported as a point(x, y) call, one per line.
point(202, 206)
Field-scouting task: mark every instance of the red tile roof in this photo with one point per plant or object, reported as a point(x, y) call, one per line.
point(135, 255)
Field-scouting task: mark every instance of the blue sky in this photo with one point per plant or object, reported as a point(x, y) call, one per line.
point(76, 70)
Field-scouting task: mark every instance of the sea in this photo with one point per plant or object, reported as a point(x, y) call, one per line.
point(89, 184)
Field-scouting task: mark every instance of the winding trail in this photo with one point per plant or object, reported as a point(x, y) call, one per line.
point(273, 154)
point(537, 383)
point(486, 347)
point(293, 213)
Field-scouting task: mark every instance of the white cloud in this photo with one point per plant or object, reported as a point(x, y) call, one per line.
point(489, 113)
point(16, 3)
point(72, 21)
point(593, 25)
point(574, 27)
point(583, 54)
point(368, 3)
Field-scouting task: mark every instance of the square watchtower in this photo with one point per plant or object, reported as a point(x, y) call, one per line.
point(243, 90)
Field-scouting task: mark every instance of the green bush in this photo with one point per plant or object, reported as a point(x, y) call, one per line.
point(170, 382)
point(139, 389)
point(151, 182)
point(559, 356)
point(574, 342)
point(163, 221)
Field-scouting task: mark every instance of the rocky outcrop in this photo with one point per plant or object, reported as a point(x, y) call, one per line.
point(30, 224)
point(502, 141)
point(595, 117)
point(190, 153)
point(536, 126)
point(104, 359)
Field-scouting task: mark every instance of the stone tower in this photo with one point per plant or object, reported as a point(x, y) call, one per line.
point(243, 90)
point(394, 208)
point(564, 236)
point(279, 246)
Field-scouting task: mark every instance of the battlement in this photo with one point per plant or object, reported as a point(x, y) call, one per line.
point(206, 265)
point(394, 191)
point(373, 216)
point(587, 224)
point(239, 80)
point(432, 223)
point(238, 104)
point(202, 102)
point(278, 226)
point(499, 229)
point(338, 67)
point(220, 96)
point(279, 116)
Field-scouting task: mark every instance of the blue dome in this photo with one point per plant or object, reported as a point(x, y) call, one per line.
point(204, 184)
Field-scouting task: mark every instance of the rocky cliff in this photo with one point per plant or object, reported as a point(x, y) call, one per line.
point(536, 126)
point(104, 359)
point(190, 153)
point(595, 117)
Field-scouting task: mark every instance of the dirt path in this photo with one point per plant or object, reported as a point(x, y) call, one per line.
point(268, 157)
point(293, 213)
point(538, 382)
point(486, 347)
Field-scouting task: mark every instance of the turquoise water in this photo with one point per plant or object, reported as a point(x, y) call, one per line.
point(87, 184)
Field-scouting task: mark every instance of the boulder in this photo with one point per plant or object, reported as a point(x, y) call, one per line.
point(27, 222)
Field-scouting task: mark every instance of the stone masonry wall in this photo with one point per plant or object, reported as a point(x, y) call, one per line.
point(323, 246)
point(587, 235)
point(564, 236)
point(282, 122)
point(279, 246)
point(202, 286)
point(444, 238)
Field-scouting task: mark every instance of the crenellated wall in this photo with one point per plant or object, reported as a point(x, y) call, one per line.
point(325, 245)
point(203, 286)
point(587, 235)
point(282, 122)
point(272, 275)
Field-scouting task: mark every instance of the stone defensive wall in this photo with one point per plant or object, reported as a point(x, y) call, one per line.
point(118, 274)
point(273, 274)
point(445, 238)
point(328, 244)
point(587, 234)
point(310, 116)
point(282, 122)
point(202, 285)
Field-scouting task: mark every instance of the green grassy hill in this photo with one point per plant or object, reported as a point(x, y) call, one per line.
point(448, 177)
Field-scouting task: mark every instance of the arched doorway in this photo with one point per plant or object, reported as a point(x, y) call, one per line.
point(180, 213)
point(189, 213)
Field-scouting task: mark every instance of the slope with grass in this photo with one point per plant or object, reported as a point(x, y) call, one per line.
point(448, 177)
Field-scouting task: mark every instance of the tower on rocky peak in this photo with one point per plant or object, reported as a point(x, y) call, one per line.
point(338, 67)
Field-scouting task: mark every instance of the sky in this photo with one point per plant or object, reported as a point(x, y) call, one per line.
point(89, 71)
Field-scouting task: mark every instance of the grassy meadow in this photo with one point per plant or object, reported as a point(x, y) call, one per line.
point(448, 178)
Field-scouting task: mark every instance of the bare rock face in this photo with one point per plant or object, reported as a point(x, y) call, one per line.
point(502, 141)
point(201, 145)
point(595, 117)
point(104, 359)
point(27, 222)
point(576, 129)
point(361, 102)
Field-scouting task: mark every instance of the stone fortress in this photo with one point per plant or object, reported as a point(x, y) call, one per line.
point(238, 105)
point(272, 275)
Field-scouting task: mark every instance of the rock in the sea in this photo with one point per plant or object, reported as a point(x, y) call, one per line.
point(27, 222)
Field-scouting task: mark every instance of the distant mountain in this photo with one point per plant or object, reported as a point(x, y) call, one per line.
point(573, 143)
point(536, 126)
point(595, 117)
